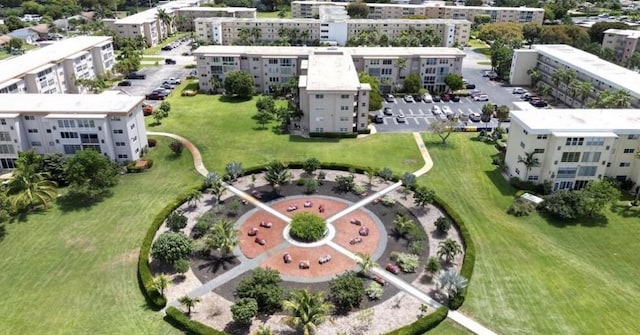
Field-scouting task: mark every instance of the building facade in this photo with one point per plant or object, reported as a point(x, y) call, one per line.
point(48, 123)
point(429, 9)
point(186, 16)
point(574, 146)
point(228, 31)
point(623, 42)
point(55, 68)
point(549, 58)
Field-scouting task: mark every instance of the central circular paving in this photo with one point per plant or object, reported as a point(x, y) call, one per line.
point(359, 231)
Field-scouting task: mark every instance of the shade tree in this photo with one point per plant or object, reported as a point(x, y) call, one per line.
point(170, 247)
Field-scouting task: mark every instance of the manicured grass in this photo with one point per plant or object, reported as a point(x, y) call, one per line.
point(156, 49)
point(272, 15)
point(484, 63)
point(448, 327)
point(74, 272)
point(152, 58)
point(532, 276)
point(226, 132)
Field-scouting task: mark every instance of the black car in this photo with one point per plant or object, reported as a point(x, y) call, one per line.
point(167, 48)
point(470, 86)
point(378, 119)
point(135, 75)
point(538, 103)
point(436, 98)
point(417, 97)
point(124, 83)
point(169, 61)
point(455, 98)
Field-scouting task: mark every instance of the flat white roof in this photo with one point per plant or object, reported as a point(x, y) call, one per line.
point(216, 9)
point(423, 5)
point(582, 122)
point(150, 14)
point(17, 66)
point(331, 71)
point(624, 32)
point(257, 22)
point(236, 50)
point(85, 104)
point(595, 67)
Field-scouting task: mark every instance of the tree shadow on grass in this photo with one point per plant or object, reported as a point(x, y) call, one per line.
point(624, 210)
point(233, 99)
point(596, 220)
point(76, 201)
point(298, 138)
point(500, 183)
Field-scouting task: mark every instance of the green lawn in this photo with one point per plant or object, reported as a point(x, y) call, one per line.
point(226, 132)
point(448, 327)
point(74, 272)
point(532, 276)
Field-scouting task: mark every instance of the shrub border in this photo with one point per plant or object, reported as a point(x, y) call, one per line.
point(176, 318)
point(423, 324)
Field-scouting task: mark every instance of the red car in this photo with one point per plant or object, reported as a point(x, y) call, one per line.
point(392, 268)
point(260, 240)
point(147, 109)
point(253, 231)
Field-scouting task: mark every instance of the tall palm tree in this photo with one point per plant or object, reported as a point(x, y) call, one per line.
point(556, 78)
point(214, 182)
point(535, 75)
point(165, 18)
point(307, 310)
point(529, 161)
point(584, 90)
point(29, 186)
point(448, 249)
point(160, 283)
point(621, 99)
point(276, 174)
point(365, 262)
point(189, 303)
point(502, 114)
point(544, 89)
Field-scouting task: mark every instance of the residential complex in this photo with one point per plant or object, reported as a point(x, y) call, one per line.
point(435, 10)
point(185, 16)
point(112, 124)
point(270, 66)
point(549, 58)
point(574, 146)
point(623, 42)
point(55, 68)
point(227, 31)
point(148, 24)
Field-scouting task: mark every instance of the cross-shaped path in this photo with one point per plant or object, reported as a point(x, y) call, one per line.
point(247, 265)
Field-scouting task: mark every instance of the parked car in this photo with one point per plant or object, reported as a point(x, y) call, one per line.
point(442, 117)
point(387, 111)
point(473, 93)
point(390, 98)
point(355, 240)
point(364, 231)
point(474, 117)
point(266, 224)
point(253, 231)
point(378, 279)
point(287, 258)
point(518, 90)
point(436, 98)
point(427, 98)
point(527, 96)
point(169, 61)
point(155, 96)
point(324, 259)
point(167, 47)
point(124, 83)
point(455, 98)
point(147, 109)
point(400, 118)
point(445, 97)
point(447, 111)
point(470, 86)
point(172, 81)
point(408, 98)
point(392, 268)
point(162, 90)
point(168, 86)
point(436, 110)
point(481, 97)
point(260, 240)
point(378, 119)
point(538, 103)
point(136, 75)
point(464, 117)
point(417, 98)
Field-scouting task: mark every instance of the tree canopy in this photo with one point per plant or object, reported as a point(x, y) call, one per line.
point(507, 32)
point(170, 247)
point(358, 10)
point(596, 32)
point(91, 173)
point(375, 100)
point(454, 82)
point(347, 291)
point(412, 83)
point(240, 84)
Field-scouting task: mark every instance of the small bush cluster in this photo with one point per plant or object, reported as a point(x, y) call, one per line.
point(521, 207)
point(388, 201)
point(307, 227)
point(374, 291)
point(407, 262)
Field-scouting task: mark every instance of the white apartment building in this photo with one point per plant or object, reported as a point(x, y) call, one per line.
point(276, 65)
point(574, 146)
point(185, 16)
point(55, 68)
point(48, 123)
point(227, 31)
point(548, 58)
point(336, 102)
point(622, 41)
point(429, 9)
point(147, 24)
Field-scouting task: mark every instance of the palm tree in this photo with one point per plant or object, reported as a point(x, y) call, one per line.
point(535, 76)
point(307, 310)
point(544, 89)
point(189, 303)
point(451, 283)
point(556, 78)
point(403, 225)
point(214, 182)
point(448, 249)
point(502, 114)
point(621, 99)
point(224, 236)
point(29, 186)
point(530, 161)
point(194, 197)
point(401, 64)
point(160, 283)
point(366, 263)
point(234, 170)
point(276, 174)
point(165, 18)
point(584, 88)
point(604, 99)
point(370, 173)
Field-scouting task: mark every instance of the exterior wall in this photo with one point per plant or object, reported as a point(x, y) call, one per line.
point(103, 57)
point(14, 87)
point(623, 43)
point(188, 15)
point(46, 79)
point(522, 61)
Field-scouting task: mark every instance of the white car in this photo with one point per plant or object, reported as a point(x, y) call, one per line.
point(518, 90)
point(400, 118)
point(408, 98)
point(436, 110)
point(427, 98)
point(447, 111)
point(172, 81)
point(481, 97)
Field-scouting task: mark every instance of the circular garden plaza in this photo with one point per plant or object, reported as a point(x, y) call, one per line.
point(318, 252)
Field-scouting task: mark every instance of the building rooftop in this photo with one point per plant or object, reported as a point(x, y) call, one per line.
point(612, 74)
point(624, 32)
point(15, 67)
point(69, 104)
point(303, 51)
point(331, 70)
point(423, 5)
point(255, 22)
point(217, 9)
point(582, 121)
point(150, 14)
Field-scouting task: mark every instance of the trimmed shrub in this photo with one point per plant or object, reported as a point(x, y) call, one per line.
point(170, 247)
point(424, 324)
point(176, 318)
point(152, 142)
point(416, 247)
point(374, 291)
point(521, 207)
point(307, 227)
point(443, 224)
point(244, 310)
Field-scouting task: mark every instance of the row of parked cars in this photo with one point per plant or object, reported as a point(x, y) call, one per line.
point(162, 91)
point(526, 96)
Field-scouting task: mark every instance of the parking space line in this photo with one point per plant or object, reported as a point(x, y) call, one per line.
point(410, 111)
point(417, 122)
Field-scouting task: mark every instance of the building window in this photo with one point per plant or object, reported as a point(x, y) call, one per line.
point(32, 131)
point(89, 138)
point(319, 96)
point(566, 173)
point(29, 117)
point(3, 122)
point(7, 149)
point(629, 151)
point(590, 157)
point(542, 137)
point(319, 130)
point(538, 151)
point(625, 164)
point(522, 144)
point(123, 156)
point(344, 96)
point(120, 144)
point(118, 131)
point(532, 178)
point(133, 125)
point(344, 119)
point(66, 123)
point(595, 141)
point(587, 171)
point(570, 157)
point(344, 108)
point(5, 136)
point(387, 62)
point(574, 141)
point(630, 137)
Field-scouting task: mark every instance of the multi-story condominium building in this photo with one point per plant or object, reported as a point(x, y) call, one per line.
point(336, 102)
point(109, 123)
point(227, 31)
point(185, 16)
point(55, 68)
point(549, 58)
point(147, 24)
point(434, 10)
point(574, 146)
point(271, 66)
point(623, 42)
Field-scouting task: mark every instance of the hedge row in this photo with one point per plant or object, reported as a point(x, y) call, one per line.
point(334, 135)
point(176, 318)
point(423, 324)
point(469, 249)
point(145, 277)
point(323, 166)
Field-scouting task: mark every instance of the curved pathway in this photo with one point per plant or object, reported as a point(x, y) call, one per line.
point(456, 316)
